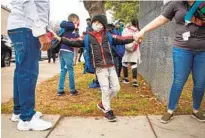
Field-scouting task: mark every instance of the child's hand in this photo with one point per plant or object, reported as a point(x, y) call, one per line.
point(139, 37)
point(55, 36)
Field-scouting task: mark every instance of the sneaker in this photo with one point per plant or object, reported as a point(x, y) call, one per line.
point(199, 116)
point(110, 116)
point(100, 106)
point(74, 93)
point(34, 124)
point(166, 118)
point(135, 84)
point(126, 81)
point(16, 118)
point(61, 93)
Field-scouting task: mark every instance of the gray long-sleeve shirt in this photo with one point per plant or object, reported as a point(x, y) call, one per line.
point(32, 14)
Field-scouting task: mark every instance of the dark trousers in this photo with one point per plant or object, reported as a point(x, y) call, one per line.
point(118, 65)
point(81, 52)
point(51, 55)
point(134, 70)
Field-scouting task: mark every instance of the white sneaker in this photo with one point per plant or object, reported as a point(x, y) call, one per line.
point(16, 118)
point(34, 124)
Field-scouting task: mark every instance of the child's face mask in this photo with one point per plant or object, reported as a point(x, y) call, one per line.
point(97, 27)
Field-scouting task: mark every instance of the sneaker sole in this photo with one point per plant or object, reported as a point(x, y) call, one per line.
point(74, 94)
point(60, 94)
point(197, 119)
point(165, 122)
point(135, 86)
point(15, 120)
point(31, 129)
point(100, 108)
point(114, 120)
point(126, 82)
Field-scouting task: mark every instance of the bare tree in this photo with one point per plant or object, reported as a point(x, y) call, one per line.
point(94, 7)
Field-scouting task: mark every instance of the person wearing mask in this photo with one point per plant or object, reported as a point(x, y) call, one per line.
point(118, 50)
point(101, 58)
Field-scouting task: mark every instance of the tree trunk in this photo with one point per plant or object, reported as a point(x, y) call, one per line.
point(94, 7)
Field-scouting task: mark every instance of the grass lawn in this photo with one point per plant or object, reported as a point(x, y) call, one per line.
point(129, 102)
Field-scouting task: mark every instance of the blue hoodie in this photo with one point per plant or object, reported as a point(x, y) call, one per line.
point(68, 28)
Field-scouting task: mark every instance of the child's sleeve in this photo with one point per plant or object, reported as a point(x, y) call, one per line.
point(121, 40)
point(72, 43)
point(67, 25)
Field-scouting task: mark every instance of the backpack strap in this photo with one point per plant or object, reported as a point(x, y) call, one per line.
point(191, 12)
point(109, 38)
point(88, 67)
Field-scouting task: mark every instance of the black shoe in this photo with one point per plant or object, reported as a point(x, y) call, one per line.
point(61, 93)
point(135, 84)
point(110, 116)
point(126, 81)
point(74, 93)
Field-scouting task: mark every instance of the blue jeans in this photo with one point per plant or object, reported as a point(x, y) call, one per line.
point(66, 65)
point(186, 61)
point(27, 49)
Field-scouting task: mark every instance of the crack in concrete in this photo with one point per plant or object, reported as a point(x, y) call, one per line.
point(152, 128)
point(55, 125)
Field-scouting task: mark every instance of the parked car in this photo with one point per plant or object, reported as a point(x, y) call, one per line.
point(6, 51)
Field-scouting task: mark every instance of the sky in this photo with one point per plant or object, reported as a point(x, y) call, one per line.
point(60, 9)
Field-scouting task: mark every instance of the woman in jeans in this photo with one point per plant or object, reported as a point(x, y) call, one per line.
point(188, 52)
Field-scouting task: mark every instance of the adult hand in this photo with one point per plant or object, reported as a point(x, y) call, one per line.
point(139, 36)
point(45, 42)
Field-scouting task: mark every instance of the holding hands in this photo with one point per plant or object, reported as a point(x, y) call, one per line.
point(138, 37)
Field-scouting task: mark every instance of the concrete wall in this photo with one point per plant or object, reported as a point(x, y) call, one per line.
point(156, 49)
point(4, 19)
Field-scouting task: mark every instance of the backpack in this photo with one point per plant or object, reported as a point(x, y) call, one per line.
point(119, 49)
point(88, 67)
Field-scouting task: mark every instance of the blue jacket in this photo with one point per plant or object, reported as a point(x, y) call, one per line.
point(68, 32)
point(117, 50)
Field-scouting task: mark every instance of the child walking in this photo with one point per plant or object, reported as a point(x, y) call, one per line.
point(102, 60)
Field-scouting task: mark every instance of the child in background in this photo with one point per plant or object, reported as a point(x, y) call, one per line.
point(132, 54)
point(66, 55)
point(102, 60)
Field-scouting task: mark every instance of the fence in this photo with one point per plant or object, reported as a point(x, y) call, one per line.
point(156, 50)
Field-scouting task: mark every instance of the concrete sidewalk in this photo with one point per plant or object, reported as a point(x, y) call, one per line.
point(46, 71)
point(97, 127)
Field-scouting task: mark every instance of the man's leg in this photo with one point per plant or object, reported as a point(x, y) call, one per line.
point(27, 55)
